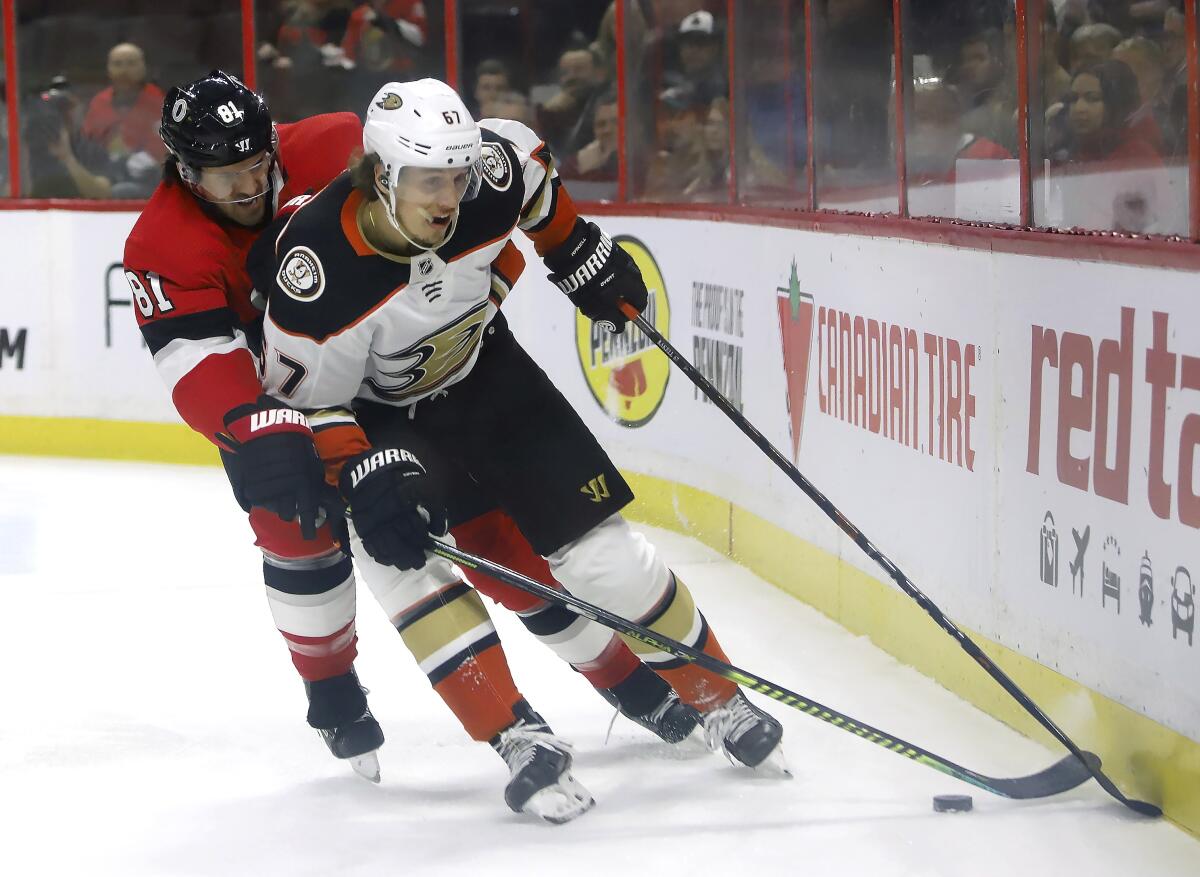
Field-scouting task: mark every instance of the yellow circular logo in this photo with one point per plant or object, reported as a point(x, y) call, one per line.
point(626, 373)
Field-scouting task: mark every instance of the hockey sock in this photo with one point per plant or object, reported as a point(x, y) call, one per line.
point(602, 657)
point(455, 644)
point(703, 690)
point(573, 638)
point(677, 617)
point(312, 604)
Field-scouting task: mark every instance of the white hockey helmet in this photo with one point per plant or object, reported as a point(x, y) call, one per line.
point(423, 124)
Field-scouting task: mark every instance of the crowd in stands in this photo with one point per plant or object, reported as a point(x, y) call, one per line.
point(1111, 95)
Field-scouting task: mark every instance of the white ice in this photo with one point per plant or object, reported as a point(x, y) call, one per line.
point(151, 724)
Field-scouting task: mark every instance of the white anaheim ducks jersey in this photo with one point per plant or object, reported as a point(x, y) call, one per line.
point(344, 321)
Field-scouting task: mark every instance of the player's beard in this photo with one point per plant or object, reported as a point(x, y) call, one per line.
point(248, 213)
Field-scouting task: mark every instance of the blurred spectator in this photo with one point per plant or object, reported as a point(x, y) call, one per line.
point(1175, 86)
point(771, 93)
point(598, 159)
point(386, 36)
point(565, 121)
point(677, 152)
point(853, 97)
point(1101, 103)
point(982, 80)
point(509, 105)
point(938, 137)
point(698, 75)
point(124, 118)
point(491, 78)
point(1118, 162)
point(1056, 81)
point(605, 44)
point(1145, 59)
point(62, 162)
point(1174, 42)
point(1128, 16)
point(1092, 44)
point(309, 36)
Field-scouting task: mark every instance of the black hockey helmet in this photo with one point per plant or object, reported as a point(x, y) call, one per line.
point(215, 121)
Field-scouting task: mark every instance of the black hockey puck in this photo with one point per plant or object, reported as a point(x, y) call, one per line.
point(952, 803)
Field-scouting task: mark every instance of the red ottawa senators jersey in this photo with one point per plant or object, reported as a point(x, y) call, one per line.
point(191, 293)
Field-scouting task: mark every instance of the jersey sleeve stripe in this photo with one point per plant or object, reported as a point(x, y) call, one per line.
point(559, 221)
point(214, 323)
point(181, 356)
point(508, 266)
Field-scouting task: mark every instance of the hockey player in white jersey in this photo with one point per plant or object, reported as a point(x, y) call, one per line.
point(384, 326)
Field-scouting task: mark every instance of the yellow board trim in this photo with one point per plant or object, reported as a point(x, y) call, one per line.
point(96, 439)
point(1145, 758)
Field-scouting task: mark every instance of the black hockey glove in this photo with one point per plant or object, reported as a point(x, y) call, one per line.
point(275, 463)
point(596, 275)
point(392, 506)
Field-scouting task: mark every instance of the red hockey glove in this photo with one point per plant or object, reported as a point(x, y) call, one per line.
point(276, 465)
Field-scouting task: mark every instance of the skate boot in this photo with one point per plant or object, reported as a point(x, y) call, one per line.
point(647, 699)
point(338, 709)
point(746, 734)
point(541, 782)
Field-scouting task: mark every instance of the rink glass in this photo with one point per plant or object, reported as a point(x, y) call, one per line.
point(853, 100)
point(63, 48)
point(770, 103)
point(311, 58)
point(961, 135)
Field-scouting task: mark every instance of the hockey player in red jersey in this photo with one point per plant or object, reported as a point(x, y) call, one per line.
point(229, 172)
point(384, 325)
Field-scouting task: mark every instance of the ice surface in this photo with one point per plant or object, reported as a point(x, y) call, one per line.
point(151, 724)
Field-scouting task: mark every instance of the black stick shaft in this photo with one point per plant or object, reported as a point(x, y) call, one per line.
point(905, 584)
point(1059, 777)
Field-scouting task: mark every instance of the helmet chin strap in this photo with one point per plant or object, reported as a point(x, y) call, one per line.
point(389, 194)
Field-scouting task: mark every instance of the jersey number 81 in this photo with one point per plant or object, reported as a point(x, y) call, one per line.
point(145, 304)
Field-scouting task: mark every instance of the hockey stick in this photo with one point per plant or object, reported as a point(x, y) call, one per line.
point(834, 513)
point(1063, 775)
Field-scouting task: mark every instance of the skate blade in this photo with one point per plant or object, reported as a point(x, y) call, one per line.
point(774, 766)
point(561, 802)
point(366, 766)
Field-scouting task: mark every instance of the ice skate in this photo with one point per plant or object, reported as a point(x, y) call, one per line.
point(671, 720)
point(541, 783)
point(746, 734)
point(337, 709)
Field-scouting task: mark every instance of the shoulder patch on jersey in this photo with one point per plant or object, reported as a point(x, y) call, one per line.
point(301, 275)
point(497, 169)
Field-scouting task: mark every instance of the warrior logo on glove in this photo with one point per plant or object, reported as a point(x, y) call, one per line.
point(597, 277)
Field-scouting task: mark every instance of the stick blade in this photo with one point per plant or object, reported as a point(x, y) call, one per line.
point(1065, 774)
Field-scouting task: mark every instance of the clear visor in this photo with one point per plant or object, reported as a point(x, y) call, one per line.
point(225, 186)
point(437, 189)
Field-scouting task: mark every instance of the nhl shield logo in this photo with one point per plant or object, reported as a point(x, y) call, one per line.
point(390, 101)
point(301, 276)
point(497, 169)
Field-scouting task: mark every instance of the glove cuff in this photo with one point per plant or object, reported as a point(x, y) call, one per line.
point(266, 417)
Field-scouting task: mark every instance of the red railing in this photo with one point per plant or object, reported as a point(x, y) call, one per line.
point(1178, 252)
